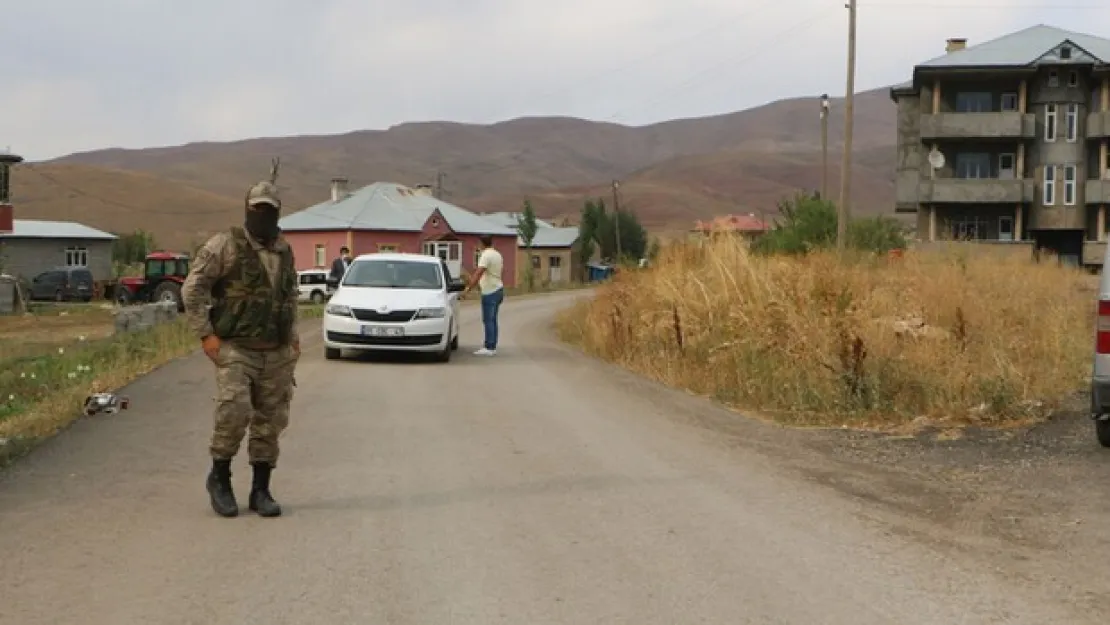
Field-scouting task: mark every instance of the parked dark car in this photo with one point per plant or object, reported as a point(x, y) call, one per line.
point(64, 284)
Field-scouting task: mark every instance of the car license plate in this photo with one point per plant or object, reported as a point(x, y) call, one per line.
point(382, 331)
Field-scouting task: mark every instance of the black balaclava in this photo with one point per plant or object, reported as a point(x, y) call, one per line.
point(262, 222)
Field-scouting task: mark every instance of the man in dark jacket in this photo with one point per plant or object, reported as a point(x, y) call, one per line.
point(339, 267)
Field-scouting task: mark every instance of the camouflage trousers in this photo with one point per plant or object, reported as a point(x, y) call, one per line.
point(253, 390)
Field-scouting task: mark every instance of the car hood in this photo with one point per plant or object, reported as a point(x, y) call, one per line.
point(394, 299)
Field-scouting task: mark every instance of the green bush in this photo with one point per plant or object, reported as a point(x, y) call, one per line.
point(808, 224)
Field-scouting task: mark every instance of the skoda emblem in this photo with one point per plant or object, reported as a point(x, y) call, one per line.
point(383, 309)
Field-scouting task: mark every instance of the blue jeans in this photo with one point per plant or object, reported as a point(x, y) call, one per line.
point(491, 303)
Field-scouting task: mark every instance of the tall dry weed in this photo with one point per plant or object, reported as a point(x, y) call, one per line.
point(817, 340)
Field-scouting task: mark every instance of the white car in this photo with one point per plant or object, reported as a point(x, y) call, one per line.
point(394, 302)
point(312, 285)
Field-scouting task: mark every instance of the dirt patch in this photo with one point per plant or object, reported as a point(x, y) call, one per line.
point(46, 328)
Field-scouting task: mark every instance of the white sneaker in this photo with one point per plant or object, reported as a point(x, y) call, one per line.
point(485, 352)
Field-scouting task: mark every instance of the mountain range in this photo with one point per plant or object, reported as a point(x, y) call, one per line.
point(670, 173)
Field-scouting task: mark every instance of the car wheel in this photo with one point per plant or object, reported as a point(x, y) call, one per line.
point(317, 297)
point(445, 355)
point(331, 353)
point(455, 343)
point(1102, 431)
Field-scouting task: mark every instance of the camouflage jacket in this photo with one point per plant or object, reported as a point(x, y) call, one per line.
point(243, 297)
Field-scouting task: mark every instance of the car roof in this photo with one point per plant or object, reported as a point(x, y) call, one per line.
point(420, 258)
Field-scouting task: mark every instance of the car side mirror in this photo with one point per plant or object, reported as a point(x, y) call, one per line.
point(456, 286)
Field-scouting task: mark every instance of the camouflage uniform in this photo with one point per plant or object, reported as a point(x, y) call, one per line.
point(244, 292)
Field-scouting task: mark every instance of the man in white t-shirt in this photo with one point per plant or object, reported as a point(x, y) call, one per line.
point(487, 276)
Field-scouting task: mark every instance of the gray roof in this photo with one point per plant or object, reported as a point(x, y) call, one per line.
point(1025, 48)
point(553, 237)
point(36, 229)
point(388, 206)
point(547, 235)
point(510, 219)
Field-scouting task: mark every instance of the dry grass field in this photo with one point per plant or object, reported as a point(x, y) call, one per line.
point(938, 338)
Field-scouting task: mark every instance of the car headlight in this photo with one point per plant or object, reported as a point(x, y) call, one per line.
point(431, 313)
point(338, 310)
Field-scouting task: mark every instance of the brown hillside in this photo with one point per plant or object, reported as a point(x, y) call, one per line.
point(508, 158)
point(121, 201)
point(675, 193)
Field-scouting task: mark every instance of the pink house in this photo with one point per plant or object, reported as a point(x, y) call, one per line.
point(389, 217)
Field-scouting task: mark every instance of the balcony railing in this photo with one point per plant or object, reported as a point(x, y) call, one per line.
point(1097, 192)
point(1098, 125)
point(975, 190)
point(996, 125)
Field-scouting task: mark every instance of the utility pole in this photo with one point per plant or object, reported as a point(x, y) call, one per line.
point(617, 217)
point(843, 212)
point(439, 184)
point(825, 147)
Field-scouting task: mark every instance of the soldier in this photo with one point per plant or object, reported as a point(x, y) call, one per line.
point(241, 300)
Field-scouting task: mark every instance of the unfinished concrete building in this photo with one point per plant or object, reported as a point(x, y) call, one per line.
point(1006, 142)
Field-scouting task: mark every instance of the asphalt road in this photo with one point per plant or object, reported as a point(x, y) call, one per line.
point(535, 487)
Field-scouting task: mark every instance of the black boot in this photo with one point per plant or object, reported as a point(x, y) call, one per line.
point(261, 500)
point(219, 489)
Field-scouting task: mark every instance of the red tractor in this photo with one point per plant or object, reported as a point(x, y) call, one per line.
point(161, 281)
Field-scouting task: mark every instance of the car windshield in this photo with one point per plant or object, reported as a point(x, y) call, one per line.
point(393, 274)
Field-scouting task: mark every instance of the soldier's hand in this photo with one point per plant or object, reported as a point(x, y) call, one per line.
point(211, 346)
point(297, 347)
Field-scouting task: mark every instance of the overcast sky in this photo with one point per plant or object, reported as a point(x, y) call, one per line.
point(89, 74)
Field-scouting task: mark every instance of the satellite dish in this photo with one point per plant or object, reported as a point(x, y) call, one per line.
point(936, 159)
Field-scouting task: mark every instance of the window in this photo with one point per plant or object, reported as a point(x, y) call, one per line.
point(973, 102)
point(1050, 122)
point(321, 255)
point(1005, 228)
point(1073, 79)
point(973, 165)
point(77, 257)
point(1009, 102)
point(1065, 53)
point(1069, 185)
point(5, 189)
point(1053, 79)
point(969, 229)
point(536, 262)
point(387, 247)
point(314, 277)
point(555, 261)
point(1049, 185)
point(1071, 122)
point(1006, 166)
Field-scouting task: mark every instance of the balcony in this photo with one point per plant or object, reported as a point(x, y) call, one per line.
point(1001, 125)
point(975, 191)
point(1098, 125)
point(1094, 252)
point(1098, 192)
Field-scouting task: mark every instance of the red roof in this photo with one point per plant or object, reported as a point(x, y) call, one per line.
point(738, 223)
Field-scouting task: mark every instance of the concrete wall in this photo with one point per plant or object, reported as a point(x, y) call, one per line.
point(27, 258)
point(921, 126)
point(543, 267)
point(144, 316)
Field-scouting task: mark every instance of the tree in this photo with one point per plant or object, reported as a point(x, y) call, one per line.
point(808, 223)
point(133, 247)
point(600, 227)
point(526, 227)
